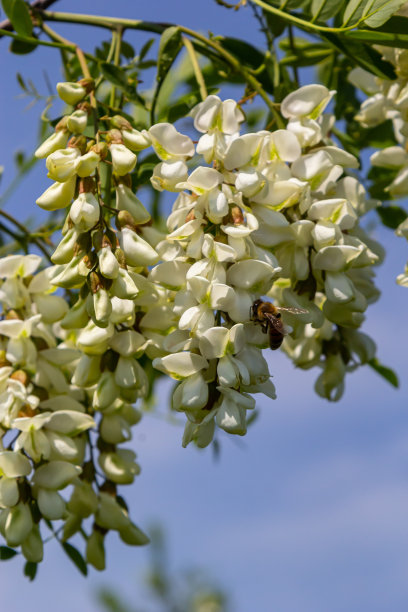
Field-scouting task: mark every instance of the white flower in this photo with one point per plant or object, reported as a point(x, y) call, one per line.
point(169, 144)
point(59, 195)
point(71, 93)
point(85, 211)
point(56, 141)
point(77, 121)
point(62, 164)
point(167, 175)
point(123, 160)
point(307, 101)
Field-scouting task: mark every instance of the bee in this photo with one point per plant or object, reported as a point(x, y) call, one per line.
point(269, 317)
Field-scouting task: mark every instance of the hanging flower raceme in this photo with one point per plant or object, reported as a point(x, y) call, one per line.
point(275, 215)
point(388, 100)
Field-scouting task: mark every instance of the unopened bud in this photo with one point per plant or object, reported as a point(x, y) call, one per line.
point(71, 93)
point(77, 142)
point(95, 550)
point(120, 123)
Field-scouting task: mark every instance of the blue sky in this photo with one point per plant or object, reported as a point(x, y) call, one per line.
point(309, 511)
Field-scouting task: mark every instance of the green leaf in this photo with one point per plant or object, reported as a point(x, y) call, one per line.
point(184, 104)
point(169, 47)
point(375, 37)
point(381, 179)
point(30, 570)
point(398, 24)
point(114, 74)
point(7, 553)
point(391, 216)
point(126, 50)
point(322, 10)
point(363, 55)
point(376, 12)
point(385, 372)
point(76, 557)
point(19, 15)
point(248, 55)
point(353, 12)
point(275, 23)
point(145, 49)
point(20, 46)
point(373, 13)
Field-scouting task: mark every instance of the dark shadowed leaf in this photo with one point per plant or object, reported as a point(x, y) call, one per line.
point(20, 46)
point(7, 553)
point(363, 55)
point(385, 372)
point(391, 216)
point(76, 557)
point(30, 570)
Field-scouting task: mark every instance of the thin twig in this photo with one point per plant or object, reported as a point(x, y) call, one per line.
point(196, 67)
point(26, 232)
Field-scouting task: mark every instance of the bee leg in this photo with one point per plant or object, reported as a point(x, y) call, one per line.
point(264, 327)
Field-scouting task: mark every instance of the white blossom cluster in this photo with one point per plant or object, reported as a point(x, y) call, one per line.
point(42, 416)
point(274, 215)
point(389, 100)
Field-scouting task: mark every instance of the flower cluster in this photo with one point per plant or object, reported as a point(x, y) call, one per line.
point(268, 214)
point(276, 216)
point(389, 100)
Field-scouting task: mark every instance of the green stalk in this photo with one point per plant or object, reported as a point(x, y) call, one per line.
point(196, 67)
point(158, 28)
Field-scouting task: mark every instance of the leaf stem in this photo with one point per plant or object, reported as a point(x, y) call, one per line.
point(158, 28)
point(196, 67)
point(26, 232)
point(117, 34)
point(301, 23)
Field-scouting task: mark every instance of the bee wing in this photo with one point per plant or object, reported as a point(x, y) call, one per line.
point(292, 310)
point(276, 323)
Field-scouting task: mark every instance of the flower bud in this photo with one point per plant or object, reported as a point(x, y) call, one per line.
point(50, 504)
point(55, 474)
point(102, 307)
point(88, 163)
point(62, 164)
point(59, 195)
point(135, 140)
point(71, 93)
point(85, 211)
point(95, 550)
point(137, 251)
point(56, 141)
point(9, 493)
point(120, 467)
point(77, 121)
point(127, 201)
point(32, 547)
point(133, 536)
point(76, 317)
point(18, 524)
point(65, 250)
point(84, 500)
point(108, 264)
point(167, 175)
point(123, 160)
